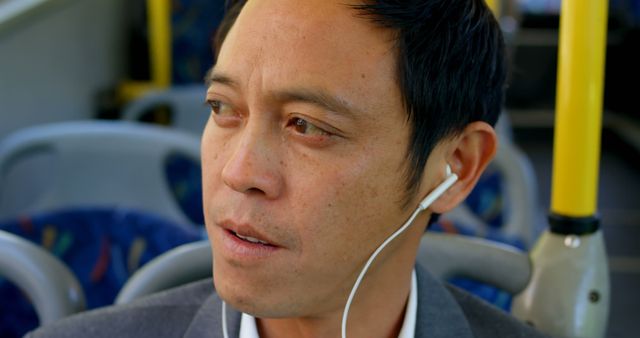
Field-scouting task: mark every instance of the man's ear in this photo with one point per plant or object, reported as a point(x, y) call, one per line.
point(468, 154)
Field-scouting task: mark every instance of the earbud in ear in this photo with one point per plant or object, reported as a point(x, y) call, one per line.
point(440, 189)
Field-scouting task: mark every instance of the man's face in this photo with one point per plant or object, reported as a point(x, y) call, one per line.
point(305, 150)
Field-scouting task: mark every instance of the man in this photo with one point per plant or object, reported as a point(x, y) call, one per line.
point(331, 121)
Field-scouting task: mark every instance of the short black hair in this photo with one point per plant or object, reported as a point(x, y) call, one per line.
point(451, 68)
point(232, 10)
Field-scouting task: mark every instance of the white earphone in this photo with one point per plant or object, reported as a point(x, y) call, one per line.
point(424, 204)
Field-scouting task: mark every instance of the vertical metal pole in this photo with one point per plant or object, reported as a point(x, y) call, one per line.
point(568, 295)
point(579, 107)
point(159, 26)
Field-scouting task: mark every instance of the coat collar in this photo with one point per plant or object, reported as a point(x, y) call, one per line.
point(208, 320)
point(439, 315)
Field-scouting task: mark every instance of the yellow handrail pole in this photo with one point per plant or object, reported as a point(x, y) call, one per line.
point(495, 7)
point(583, 27)
point(159, 26)
point(569, 291)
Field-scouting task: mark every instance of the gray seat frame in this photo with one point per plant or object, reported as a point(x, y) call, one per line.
point(51, 286)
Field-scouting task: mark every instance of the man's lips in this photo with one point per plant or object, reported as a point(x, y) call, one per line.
point(250, 239)
point(242, 244)
point(247, 233)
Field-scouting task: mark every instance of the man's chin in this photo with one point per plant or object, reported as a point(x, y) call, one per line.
point(240, 298)
point(257, 304)
point(254, 306)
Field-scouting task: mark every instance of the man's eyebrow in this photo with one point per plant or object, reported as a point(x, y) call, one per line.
point(217, 77)
point(316, 97)
point(319, 98)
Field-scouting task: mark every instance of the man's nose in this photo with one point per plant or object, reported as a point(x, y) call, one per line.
point(253, 167)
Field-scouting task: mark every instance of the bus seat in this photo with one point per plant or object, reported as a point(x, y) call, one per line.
point(503, 127)
point(184, 264)
point(100, 163)
point(447, 256)
point(52, 288)
point(102, 247)
point(185, 104)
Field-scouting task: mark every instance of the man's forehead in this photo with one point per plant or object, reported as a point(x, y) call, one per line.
point(308, 23)
point(307, 37)
point(288, 46)
point(310, 12)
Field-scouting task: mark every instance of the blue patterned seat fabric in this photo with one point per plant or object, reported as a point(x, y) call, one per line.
point(184, 177)
point(102, 246)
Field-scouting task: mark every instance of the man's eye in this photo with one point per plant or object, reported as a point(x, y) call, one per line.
point(219, 108)
point(305, 127)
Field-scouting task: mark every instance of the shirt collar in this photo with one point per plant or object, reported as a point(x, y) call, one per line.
point(248, 328)
point(409, 326)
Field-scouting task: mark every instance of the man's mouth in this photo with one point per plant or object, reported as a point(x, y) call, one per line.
point(241, 242)
point(249, 238)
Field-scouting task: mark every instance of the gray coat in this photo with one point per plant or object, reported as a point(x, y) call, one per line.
point(194, 311)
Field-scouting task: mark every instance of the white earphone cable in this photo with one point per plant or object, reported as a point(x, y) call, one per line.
point(426, 202)
point(224, 320)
